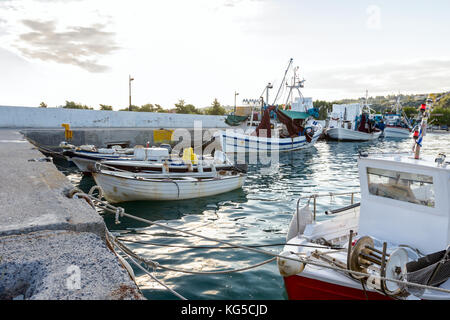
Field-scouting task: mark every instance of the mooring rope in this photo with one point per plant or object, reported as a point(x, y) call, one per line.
point(146, 271)
point(228, 247)
point(155, 264)
point(109, 208)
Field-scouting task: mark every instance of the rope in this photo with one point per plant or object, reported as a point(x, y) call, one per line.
point(85, 197)
point(145, 270)
point(228, 247)
point(155, 264)
point(301, 260)
point(154, 278)
point(220, 272)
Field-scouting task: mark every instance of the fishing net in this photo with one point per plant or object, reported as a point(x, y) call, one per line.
point(431, 270)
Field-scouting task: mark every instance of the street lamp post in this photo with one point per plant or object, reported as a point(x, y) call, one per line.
point(235, 94)
point(129, 91)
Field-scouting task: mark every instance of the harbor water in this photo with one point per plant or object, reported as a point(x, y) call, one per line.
point(258, 214)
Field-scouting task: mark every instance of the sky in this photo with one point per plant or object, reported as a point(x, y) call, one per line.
point(54, 51)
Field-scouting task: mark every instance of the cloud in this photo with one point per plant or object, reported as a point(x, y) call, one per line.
point(234, 3)
point(80, 46)
point(428, 75)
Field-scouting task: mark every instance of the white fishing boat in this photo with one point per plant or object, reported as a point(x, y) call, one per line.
point(190, 162)
point(85, 156)
point(235, 142)
point(394, 244)
point(121, 186)
point(396, 124)
point(275, 128)
point(396, 131)
point(151, 160)
point(352, 122)
point(343, 134)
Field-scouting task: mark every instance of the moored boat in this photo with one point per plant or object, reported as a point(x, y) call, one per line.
point(275, 128)
point(121, 186)
point(154, 159)
point(396, 125)
point(403, 217)
point(235, 142)
point(396, 132)
point(343, 134)
point(85, 156)
point(205, 163)
point(394, 244)
point(351, 122)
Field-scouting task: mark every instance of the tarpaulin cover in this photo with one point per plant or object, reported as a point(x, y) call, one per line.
point(294, 115)
point(292, 120)
point(234, 120)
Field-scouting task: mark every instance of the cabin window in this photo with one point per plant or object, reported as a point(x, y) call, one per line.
point(403, 186)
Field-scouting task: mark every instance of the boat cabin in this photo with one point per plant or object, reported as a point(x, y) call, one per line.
point(405, 201)
point(344, 115)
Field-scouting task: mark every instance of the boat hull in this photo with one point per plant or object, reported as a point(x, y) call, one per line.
point(342, 134)
point(156, 167)
point(84, 165)
point(85, 161)
point(303, 288)
point(396, 132)
point(117, 188)
point(233, 142)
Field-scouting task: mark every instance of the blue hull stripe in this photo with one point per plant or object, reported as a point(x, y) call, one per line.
point(263, 142)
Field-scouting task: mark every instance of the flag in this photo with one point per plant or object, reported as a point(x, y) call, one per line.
point(419, 140)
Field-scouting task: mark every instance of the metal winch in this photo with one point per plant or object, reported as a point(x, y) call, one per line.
point(363, 256)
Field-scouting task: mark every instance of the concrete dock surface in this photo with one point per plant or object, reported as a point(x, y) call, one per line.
point(51, 247)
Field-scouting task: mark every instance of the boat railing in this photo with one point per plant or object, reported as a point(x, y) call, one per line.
point(330, 194)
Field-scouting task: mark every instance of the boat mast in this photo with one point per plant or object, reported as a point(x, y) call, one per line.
point(367, 99)
point(396, 104)
point(282, 81)
point(295, 85)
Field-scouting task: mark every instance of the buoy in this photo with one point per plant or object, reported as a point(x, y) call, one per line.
point(289, 267)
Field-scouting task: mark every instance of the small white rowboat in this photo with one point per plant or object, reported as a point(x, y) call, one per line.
point(127, 186)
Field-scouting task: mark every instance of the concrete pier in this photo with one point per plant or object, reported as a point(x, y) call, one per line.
point(51, 247)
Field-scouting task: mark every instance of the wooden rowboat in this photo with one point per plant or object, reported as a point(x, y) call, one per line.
point(128, 186)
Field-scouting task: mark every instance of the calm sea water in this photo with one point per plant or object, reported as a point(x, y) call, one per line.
point(258, 214)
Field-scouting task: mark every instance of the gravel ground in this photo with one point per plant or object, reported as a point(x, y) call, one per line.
point(61, 265)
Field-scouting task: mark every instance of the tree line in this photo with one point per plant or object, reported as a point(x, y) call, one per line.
point(180, 107)
point(410, 103)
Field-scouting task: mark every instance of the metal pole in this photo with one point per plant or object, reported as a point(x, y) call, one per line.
point(349, 249)
point(235, 94)
point(129, 91)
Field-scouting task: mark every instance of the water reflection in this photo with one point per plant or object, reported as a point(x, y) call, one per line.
point(257, 214)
